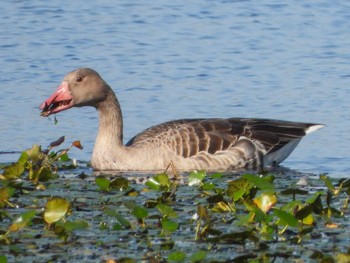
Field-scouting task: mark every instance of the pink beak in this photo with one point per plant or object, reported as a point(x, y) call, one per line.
point(60, 100)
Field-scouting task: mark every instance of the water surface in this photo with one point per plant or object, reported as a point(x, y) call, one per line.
point(181, 60)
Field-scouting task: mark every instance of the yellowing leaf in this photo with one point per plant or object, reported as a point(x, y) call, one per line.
point(77, 144)
point(13, 171)
point(55, 209)
point(331, 225)
point(309, 220)
point(265, 201)
point(5, 194)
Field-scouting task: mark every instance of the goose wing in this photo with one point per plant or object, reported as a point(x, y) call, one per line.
point(188, 137)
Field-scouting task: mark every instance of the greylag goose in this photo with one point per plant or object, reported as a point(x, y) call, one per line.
point(190, 144)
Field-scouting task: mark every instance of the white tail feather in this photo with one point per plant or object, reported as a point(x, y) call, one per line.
point(314, 128)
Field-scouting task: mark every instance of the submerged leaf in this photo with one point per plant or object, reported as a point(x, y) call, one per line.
point(75, 225)
point(239, 237)
point(294, 192)
point(55, 209)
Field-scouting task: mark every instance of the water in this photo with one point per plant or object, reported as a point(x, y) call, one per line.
point(181, 60)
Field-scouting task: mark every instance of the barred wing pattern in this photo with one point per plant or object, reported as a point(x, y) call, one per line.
point(255, 139)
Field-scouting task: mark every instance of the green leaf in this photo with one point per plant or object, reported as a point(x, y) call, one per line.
point(327, 181)
point(159, 182)
point(35, 153)
point(216, 176)
point(3, 259)
point(125, 223)
point(166, 210)
point(238, 188)
point(64, 157)
point(286, 218)
point(177, 256)
point(6, 193)
point(208, 186)
point(169, 225)
point(22, 221)
point(196, 177)
point(259, 215)
point(198, 256)
point(304, 212)
point(260, 182)
point(55, 209)
point(140, 212)
point(45, 174)
point(13, 171)
point(119, 183)
point(153, 184)
point(103, 183)
point(23, 158)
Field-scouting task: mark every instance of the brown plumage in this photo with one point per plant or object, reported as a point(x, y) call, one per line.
point(211, 144)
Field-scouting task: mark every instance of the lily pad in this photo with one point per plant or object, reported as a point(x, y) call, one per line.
point(55, 209)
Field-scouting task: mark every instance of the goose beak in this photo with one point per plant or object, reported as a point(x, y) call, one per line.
point(59, 101)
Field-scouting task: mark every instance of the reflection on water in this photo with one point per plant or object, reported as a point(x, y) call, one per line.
point(180, 60)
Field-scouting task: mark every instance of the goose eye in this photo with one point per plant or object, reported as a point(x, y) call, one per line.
point(79, 79)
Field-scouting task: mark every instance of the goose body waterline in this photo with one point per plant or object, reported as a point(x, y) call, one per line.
point(190, 144)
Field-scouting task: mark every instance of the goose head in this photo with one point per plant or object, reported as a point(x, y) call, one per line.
point(81, 87)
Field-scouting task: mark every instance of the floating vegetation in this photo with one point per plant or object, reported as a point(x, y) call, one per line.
point(209, 218)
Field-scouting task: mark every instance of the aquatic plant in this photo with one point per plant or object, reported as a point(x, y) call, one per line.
point(197, 218)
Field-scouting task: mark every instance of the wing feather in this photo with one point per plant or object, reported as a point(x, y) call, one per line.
point(188, 137)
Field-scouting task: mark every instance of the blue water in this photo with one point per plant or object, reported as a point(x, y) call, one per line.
point(181, 60)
